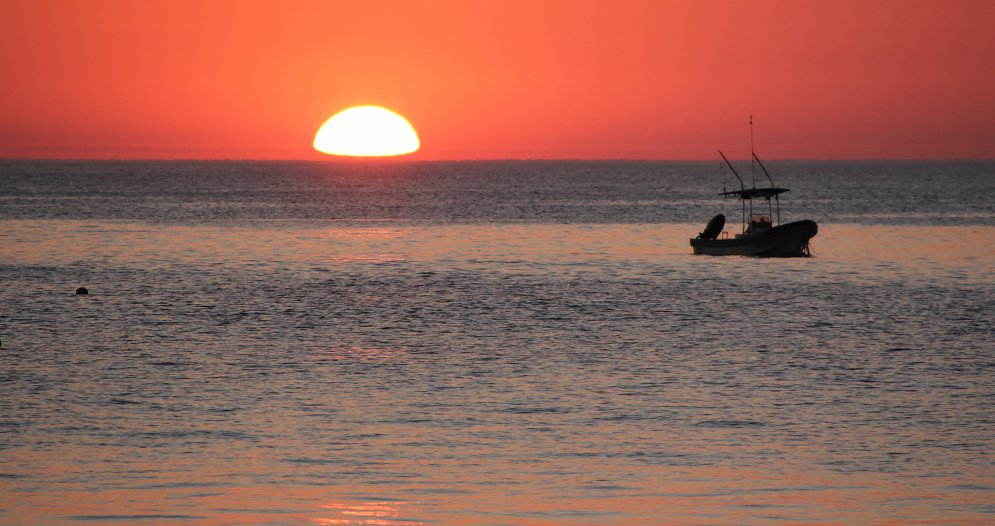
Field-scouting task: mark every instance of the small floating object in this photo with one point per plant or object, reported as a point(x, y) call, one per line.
point(82, 290)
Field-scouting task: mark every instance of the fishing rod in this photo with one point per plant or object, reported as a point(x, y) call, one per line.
point(741, 185)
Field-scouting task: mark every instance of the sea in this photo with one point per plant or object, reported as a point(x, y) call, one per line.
point(402, 343)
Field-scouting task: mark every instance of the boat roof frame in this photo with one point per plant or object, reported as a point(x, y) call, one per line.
point(755, 193)
point(749, 194)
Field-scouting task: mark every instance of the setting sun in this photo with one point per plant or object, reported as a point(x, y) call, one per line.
point(366, 131)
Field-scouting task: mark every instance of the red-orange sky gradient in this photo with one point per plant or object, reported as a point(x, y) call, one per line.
point(573, 79)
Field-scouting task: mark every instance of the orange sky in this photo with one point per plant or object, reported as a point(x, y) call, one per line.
point(500, 79)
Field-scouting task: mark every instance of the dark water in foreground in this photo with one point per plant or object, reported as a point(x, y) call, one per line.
point(491, 343)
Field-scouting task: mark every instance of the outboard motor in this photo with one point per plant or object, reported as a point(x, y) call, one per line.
point(713, 228)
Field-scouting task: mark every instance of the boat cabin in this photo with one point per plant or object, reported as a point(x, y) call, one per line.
point(758, 222)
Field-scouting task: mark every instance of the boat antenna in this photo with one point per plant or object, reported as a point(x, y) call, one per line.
point(753, 175)
point(722, 171)
point(762, 167)
point(741, 187)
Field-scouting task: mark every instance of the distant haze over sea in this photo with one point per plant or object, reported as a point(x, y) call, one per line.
point(194, 192)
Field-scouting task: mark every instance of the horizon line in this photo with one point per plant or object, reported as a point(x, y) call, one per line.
point(402, 159)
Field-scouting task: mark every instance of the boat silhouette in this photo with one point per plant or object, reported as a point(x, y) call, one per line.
point(760, 236)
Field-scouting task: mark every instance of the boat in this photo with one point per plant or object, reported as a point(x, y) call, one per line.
point(760, 236)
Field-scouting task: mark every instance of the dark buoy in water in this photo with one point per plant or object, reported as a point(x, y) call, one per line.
point(82, 290)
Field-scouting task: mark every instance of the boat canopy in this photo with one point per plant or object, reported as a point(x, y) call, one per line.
point(756, 193)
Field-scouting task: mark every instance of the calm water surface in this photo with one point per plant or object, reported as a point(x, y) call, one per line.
point(265, 344)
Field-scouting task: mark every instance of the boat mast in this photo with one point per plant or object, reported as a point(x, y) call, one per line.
point(742, 188)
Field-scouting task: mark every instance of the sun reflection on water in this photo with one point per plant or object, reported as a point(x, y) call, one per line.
point(373, 513)
point(365, 354)
point(867, 252)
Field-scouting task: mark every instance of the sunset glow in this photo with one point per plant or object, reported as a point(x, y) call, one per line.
point(366, 131)
point(501, 80)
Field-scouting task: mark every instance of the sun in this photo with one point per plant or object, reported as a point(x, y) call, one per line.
point(366, 131)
